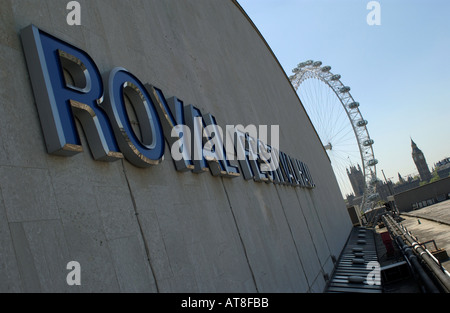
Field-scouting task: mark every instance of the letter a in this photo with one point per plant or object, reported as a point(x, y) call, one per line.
point(374, 16)
point(74, 277)
point(74, 16)
point(374, 277)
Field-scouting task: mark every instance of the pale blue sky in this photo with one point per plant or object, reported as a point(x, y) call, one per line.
point(398, 71)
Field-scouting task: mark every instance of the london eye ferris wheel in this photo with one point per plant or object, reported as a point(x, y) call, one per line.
point(340, 125)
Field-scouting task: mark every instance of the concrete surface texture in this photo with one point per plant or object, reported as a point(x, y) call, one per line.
point(431, 223)
point(158, 230)
point(439, 212)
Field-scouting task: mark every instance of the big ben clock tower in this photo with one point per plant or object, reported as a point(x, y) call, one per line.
point(421, 162)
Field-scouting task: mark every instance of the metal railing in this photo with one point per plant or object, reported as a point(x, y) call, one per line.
point(415, 252)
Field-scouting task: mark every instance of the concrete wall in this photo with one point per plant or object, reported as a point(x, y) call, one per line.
point(158, 230)
point(423, 196)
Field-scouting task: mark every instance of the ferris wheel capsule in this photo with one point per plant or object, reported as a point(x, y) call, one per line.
point(309, 62)
point(317, 64)
point(368, 143)
point(362, 123)
point(335, 77)
point(372, 162)
point(353, 105)
point(326, 69)
point(345, 89)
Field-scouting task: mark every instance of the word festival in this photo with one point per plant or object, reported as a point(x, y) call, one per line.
point(67, 85)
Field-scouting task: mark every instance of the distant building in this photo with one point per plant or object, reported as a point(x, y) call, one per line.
point(421, 162)
point(385, 189)
point(400, 179)
point(442, 168)
point(356, 177)
point(406, 184)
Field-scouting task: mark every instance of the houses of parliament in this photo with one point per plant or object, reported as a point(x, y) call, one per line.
point(386, 189)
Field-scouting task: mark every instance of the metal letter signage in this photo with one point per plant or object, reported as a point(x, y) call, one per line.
point(67, 85)
point(58, 100)
point(144, 152)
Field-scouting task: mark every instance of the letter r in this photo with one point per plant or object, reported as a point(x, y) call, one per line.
point(66, 82)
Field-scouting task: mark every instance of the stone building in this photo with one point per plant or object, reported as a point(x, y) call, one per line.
point(420, 162)
point(356, 177)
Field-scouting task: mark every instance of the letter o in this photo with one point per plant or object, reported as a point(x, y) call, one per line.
point(149, 149)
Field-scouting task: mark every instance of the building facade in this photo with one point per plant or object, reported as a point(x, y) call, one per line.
point(95, 199)
point(356, 177)
point(442, 168)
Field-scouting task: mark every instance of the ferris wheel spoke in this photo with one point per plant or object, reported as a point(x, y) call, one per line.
point(343, 135)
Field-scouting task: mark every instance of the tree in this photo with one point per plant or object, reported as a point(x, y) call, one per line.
point(435, 178)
